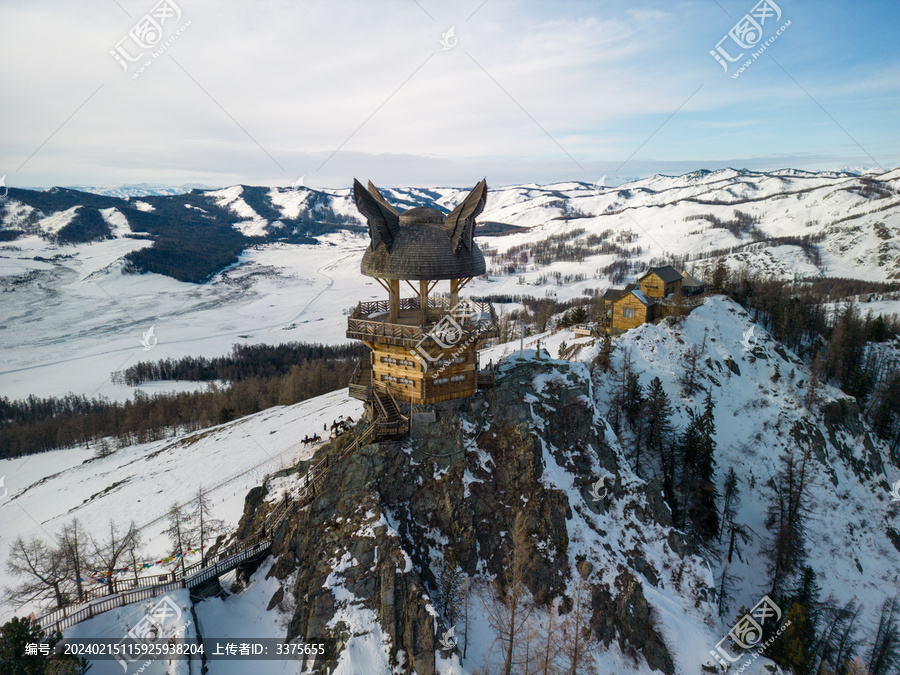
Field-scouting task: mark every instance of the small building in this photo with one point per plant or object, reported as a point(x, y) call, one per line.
point(690, 285)
point(632, 309)
point(660, 282)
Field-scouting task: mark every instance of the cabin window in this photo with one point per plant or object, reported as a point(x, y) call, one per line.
point(628, 313)
point(397, 362)
point(397, 380)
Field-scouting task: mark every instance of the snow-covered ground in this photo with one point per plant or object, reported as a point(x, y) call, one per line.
point(72, 317)
point(71, 320)
point(277, 294)
point(141, 482)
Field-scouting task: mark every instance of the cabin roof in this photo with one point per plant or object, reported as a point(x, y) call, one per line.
point(689, 282)
point(667, 273)
point(640, 295)
point(643, 298)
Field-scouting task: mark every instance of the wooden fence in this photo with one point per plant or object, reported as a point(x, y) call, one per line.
point(201, 572)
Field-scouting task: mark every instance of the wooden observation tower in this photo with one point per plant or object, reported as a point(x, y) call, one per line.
point(424, 348)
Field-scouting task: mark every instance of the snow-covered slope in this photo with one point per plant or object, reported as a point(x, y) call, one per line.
point(140, 189)
point(71, 316)
point(756, 412)
point(141, 482)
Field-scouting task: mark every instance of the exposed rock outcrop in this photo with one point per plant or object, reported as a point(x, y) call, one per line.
point(533, 444)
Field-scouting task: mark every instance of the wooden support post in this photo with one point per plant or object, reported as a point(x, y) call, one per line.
point(454, 293)
point(393, 300)
point(423, 301)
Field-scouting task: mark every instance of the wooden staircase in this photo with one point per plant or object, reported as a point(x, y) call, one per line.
point(390, 422)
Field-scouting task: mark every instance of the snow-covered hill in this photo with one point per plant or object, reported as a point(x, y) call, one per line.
point(755, 414)
point(71, 316)
point(140, 483)
point(139, 189)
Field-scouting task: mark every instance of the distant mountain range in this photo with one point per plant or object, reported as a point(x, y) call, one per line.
point(139, 189)
point(789, 223)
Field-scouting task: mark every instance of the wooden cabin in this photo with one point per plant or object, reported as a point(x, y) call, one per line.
point(690, 285)
point(423, 348)
point(660, 282)
point(630, 310)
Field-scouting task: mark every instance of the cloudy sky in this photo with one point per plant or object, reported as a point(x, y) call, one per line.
point(265, 94)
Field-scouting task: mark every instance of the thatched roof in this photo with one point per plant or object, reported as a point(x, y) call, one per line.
point(420, 243)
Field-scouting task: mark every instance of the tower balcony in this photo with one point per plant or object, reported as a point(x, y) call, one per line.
point(445, 326)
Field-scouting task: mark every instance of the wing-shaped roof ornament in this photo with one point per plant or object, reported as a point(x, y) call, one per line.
point(460, 223)
point(384, 221)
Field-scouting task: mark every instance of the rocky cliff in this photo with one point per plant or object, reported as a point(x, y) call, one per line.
point(371, 544)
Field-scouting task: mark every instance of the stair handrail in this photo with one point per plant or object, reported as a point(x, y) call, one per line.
point(254, 544)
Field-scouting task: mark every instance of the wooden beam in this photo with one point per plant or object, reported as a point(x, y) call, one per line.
point(384, 285)
point(454, 293)
point(423, 301)
point(462, 282)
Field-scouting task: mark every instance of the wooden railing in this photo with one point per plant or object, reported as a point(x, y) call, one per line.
point(361, 382)
point(240, 551)
point(366, 309)
point(364, 328)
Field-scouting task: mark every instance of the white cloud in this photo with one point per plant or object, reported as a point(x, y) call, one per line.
point(301, 79)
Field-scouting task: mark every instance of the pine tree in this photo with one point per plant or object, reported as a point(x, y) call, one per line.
point(730, 498)
point(604, 356)
point(72, 541)
point(43, 571)
point(791, 649)
point(689, 449)
point(884, 657)
point(787, 512)
point(135, 552)
point(703, 512)
point(691, 361)
point(208, 528)
point(720, 275)
point(551, 642)
point(16, 634)
point(659, 440)
point(179, 531)
point(723, 594)
point(796, 647)
point(838, 642)
point(578, 644)
point(507, 611)
point(107, 554)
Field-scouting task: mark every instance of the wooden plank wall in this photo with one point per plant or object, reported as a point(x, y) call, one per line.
point(620, 321)
point(422, 388)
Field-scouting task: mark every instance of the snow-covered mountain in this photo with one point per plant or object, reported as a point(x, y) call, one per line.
point(139, 189)
point(410, 515)
point(282, 265)
point(276, 258)
point(827, 223)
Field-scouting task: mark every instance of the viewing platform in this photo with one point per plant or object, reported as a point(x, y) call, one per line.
point(370, 321)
